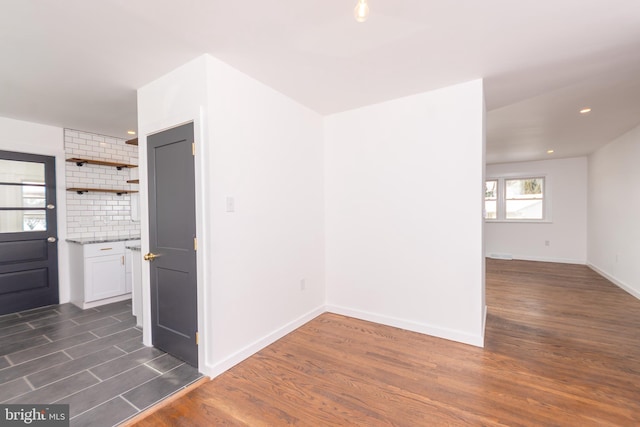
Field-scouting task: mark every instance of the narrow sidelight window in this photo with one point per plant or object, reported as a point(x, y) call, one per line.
point(491, 199)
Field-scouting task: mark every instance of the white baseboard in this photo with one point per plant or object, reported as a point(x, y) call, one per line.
point(86, 305)
point(484, 324)
point(500, 256)
point(449, 334)
point(536, 258)
point(214, 370)
point(625, 287)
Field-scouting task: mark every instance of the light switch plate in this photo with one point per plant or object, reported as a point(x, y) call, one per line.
point(231, 204)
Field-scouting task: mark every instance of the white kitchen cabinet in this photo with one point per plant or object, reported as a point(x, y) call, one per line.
point(136, 279)
point(128, 270)
point(98, 274)
point(129, 259)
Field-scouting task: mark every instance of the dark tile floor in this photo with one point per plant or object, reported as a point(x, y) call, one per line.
point(93, 360)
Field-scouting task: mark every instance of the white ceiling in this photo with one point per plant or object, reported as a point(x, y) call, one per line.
point(77, 63)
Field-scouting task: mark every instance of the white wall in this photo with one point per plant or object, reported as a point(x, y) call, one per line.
point(614, 211)
point(566, 229)
point(404, 224)
point(265, 151)
point(33, 138)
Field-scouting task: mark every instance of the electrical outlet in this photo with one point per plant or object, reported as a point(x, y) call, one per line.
point(547, 243)
point(303, 284)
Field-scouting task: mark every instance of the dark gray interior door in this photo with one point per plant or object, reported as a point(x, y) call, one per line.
point(172, 233)
point(28, 232)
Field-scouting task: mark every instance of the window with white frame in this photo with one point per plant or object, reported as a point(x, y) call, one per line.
point(515, 199)
point(491, 199)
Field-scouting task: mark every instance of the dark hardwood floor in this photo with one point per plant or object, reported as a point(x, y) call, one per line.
point(562, 349)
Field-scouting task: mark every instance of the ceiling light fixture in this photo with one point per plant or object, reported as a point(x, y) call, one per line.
point(131, 132)
point(549, 151)
point(585, 110)
point(361, 12)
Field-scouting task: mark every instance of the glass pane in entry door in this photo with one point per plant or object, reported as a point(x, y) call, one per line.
point(16, 221)
point(17, 172)
point(22, 196)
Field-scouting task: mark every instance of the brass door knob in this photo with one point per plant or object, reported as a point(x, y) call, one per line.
point(150, 257)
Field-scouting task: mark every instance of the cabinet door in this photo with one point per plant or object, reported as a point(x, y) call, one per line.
point(104, 277)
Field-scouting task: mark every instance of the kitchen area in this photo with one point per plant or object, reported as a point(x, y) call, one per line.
point(85, 351)
point(103, 221)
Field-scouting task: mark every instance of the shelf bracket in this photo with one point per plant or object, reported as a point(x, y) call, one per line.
point(80, 163)
point(81, 192)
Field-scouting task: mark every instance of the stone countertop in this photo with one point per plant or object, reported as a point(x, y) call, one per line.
point(90, 240)
point(133, 247)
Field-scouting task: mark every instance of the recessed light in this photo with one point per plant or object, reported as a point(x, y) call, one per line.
point(549, 151)
point(585, 110)
point(131, 132)
point(361, 12)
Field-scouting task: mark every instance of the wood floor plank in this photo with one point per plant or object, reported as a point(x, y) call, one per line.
point(562, 347)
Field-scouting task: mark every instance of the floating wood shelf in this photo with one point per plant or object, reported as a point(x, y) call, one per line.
point(133, 141)
point(101, 190)
point(79, 162)
point(133, 181)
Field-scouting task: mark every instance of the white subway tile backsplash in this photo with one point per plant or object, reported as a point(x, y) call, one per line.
point(98, 215)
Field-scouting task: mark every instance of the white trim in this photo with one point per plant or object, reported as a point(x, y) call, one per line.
point(92, 304)
point(222, 366)
point(625, 287)
point(537, 259)
point(518, 221)
point(214, 370)
point(435, 331)
point(484, 323)
point(201, 177)
point(507, 257)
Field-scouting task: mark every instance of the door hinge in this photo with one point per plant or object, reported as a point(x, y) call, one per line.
point(195, 243)
point(193, 148)
point(197, 338)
